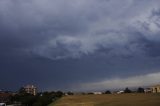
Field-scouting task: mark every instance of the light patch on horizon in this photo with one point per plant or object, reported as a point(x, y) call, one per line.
point(121, 83)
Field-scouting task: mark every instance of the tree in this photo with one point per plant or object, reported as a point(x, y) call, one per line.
point(41, 99)
point(70, 93)
point(127, 90)
point(22, 91)
point(108, 92)
point(140, 90)
point(59, 94)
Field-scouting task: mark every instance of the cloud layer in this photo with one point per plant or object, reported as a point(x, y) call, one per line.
point(75, 38)
point(59, 29)
point(121, 83)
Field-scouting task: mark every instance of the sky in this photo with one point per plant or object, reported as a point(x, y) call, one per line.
point(79, 45)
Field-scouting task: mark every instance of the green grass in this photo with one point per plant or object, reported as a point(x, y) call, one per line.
point(110, 100)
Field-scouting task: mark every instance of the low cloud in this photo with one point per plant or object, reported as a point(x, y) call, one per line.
point(119, 83)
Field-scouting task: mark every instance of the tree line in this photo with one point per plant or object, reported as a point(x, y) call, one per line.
point(40, 99)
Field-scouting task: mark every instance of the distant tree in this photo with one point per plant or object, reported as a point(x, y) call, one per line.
point(22, 91)
point(70, 93)
point(127, 90)
point(24, 98)
point(59, 94)
point(41, 99)
point(90, 93)
point(140, 90)
point(108, 92)
point(83, 93)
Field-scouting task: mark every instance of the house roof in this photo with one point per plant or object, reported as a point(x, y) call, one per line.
point(5, 95)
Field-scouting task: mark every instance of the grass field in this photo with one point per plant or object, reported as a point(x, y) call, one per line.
point(110, 100)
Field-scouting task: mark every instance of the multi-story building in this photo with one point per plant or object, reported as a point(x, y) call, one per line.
point(31, 89)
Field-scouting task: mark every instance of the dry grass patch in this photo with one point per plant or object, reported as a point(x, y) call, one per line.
point(110, 100)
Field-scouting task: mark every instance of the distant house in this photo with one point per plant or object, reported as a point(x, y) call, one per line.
point(155, 89)
point(97, 93)
point(120, 92)
point(148, 90)
point(31, 89)
point(5, 97)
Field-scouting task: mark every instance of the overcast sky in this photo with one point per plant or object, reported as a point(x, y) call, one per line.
point(79, 44)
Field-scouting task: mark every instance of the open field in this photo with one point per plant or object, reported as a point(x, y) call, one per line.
point(110, 100)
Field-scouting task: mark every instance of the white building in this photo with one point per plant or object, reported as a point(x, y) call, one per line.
point(97, 93)
point(120, 92)
point(31, 89)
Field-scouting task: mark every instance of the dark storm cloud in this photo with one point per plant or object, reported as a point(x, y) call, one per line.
point(59, 29)
point(75, 38)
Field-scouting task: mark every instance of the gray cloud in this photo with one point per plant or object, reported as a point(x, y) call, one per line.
point(77, 20)
point(124, 34)
point(110, 31)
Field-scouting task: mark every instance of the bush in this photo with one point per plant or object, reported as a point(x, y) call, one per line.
point(108, 92)
point(140, 90)
point(41, 99)
point(127, 90)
